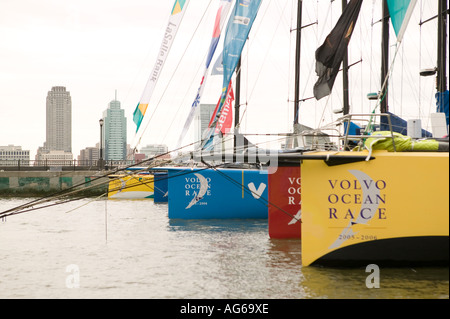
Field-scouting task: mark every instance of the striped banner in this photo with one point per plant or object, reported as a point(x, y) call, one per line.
point(221, 15)
point(178, 10)
point(239, 26)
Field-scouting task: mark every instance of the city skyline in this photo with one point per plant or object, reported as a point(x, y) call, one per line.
point(89, 48)
point(96, 48)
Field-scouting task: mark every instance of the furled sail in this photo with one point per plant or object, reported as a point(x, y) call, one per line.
point(238, 28)
point(221, 16)
point(330, 54)
point(178, 10)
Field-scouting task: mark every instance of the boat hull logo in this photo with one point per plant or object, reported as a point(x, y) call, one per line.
point(257, 192)
point(204, 185)
point(371, 190)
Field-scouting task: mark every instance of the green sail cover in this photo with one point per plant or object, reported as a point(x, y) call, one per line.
point(402, 143)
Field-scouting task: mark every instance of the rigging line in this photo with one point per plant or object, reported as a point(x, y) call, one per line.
point(249, 43)
point(311, 67)
point(64, 192)
point(5, 214)
point(106, 221)
point(369, 127)
point(182, 103)
point(152, 48)
point(260, 69)
point(188, 92)
point(50, 197)
point(266, 55)
point(25, 206)
point(248, 190)
point(402, 83)
point(36, 208)
point(61, 193)
point(96, 198)
point(173, 74)
point(17, 210)
point(371, 43)
point(289, 81)
point(420, 50)
point(257, 144)
point(135, 176)
point(131, 185)
point(12, 213)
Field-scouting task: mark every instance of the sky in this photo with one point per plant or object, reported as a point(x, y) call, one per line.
point(96, 48)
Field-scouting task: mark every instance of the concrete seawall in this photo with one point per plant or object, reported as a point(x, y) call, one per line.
point(35, 183)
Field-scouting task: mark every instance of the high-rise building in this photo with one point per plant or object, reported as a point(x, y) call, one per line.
point(202, 119)
point(58, 144)
point(114, 132)
point(59, 120)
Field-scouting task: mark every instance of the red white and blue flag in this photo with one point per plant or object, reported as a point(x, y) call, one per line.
point(221, 16)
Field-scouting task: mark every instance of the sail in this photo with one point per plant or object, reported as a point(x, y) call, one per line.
point(217, 68)
point(178, 10)
point(221, 15)
point(238, 28)
point(331, 53)
point(400, 12)
point(224, 123)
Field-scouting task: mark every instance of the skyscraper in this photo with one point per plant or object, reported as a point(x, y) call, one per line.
point(114, 132)
point(202, 118)
point(59, 120)
point(58, 144)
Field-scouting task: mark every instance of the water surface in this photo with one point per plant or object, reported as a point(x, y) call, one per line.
point(130, 249)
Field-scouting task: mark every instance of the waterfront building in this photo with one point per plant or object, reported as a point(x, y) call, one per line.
point(14, 155)
point(59, 120)
point(153, 150)
point(114, 133)
point(58, 144)
point(54, 158)
point(89, 156)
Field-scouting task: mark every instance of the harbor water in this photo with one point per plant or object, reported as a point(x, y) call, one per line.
point(130, 249)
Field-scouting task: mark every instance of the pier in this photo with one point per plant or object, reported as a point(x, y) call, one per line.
point(39, 183)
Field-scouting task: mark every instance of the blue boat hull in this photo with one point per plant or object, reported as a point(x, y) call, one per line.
point(161, 187)
point(217, 194)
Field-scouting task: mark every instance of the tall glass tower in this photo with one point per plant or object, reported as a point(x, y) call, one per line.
point(114, 132)
point(59, 120)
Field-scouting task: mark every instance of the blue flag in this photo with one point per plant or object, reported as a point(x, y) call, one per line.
point(238, 27)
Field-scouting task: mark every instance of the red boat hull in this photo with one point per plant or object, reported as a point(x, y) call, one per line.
point(284, 202)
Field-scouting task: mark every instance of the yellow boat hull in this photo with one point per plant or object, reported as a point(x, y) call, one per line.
point(131, 186)
point(392, 209)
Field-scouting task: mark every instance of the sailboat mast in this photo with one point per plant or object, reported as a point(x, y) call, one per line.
point(384, 56)
point(346, 108)
point(442, 46)
point(297, 61)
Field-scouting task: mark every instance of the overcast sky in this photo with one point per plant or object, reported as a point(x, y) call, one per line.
point(96, 47)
